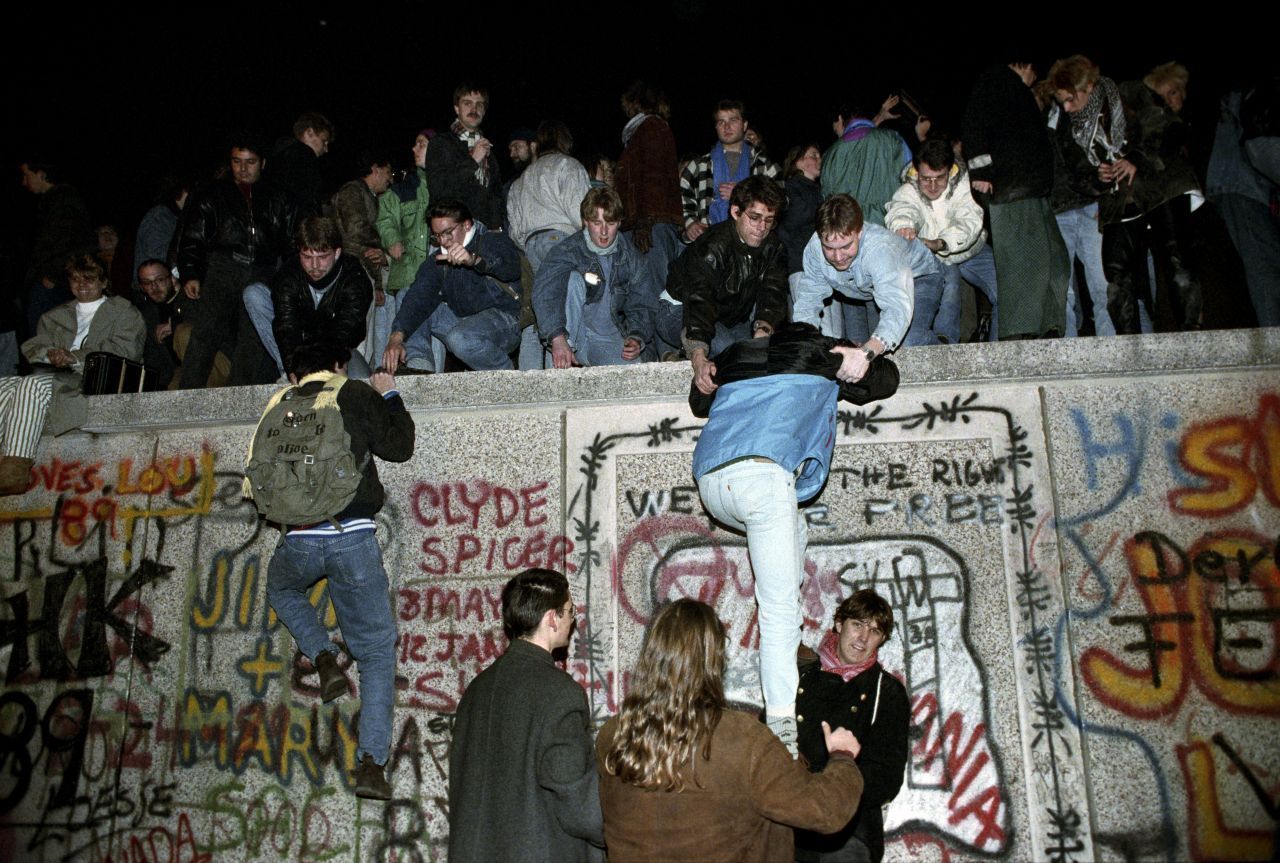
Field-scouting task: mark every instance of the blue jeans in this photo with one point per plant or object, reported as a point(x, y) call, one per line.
point(536, 249)
point(979, 271)
point(590, 347)
point(859, 318)
point(669, 322)
point(1080, 232)
point(380, 321)
point(358, 589)
point(928, 299)
point(759, 498)
point(262, 312)
point(1256, 235)
point(483, 341)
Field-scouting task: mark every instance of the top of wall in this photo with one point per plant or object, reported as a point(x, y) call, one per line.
point(1011, 362)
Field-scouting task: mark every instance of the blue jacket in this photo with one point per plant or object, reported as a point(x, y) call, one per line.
point(630, 284)
point(467, 290)
point(788, 419)
point(777, 399)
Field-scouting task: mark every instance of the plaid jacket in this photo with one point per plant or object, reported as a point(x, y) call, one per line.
point(697, 184)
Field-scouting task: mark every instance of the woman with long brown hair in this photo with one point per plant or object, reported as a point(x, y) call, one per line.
point(684, 777)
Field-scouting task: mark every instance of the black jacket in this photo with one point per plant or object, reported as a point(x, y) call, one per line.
point(795, 227)
point(1005, 139)
point(796, 349)
point(340, 317)
point(220, 222)
point(451, 173)
point(1157, 147)
point(378, 426)
point(720, 278)
point(823, 696)
point(295, 167)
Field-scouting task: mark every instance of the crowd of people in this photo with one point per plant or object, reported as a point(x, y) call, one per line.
point(1058, 208)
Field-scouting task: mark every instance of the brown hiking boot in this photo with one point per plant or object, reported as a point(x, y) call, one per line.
point(15, 474)
point(333, 683)
point(371, 780)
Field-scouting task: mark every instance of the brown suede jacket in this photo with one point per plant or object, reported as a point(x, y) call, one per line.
point(742, 807)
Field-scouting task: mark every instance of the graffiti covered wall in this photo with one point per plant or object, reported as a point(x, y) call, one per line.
point(1083, 571)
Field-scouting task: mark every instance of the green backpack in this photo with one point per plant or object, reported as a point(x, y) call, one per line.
point(300, 469)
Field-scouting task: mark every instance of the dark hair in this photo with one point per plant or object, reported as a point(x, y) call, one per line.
point(730, 105)
point(866, 604)
point(244, 140)
point(528, 596)
point(313, 120)
point(449, 208)
point(839, 214)
point(368, 159)
point(795, 154)
point(153, 262)
point(849, 110)
point(318, 234)
point(758, 188)
point(602, 198)
point(311, 357)
point(88, 262)
point(592, 163)
point(554, 136)
point(935, 153)
point(468, 87)
point(643, 97)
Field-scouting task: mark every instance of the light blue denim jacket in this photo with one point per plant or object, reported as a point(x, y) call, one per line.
point(884, 271)
point(788, 419)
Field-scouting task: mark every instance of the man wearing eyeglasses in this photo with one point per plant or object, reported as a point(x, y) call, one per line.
point(845, 683)
point(936, 206)
point(467, 294)
point(730, 284)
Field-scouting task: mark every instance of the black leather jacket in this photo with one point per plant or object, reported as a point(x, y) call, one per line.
point(220, 222)
point(720, 278)
point(339, 318)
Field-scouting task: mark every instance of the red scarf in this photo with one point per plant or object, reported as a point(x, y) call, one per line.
point(829, 654)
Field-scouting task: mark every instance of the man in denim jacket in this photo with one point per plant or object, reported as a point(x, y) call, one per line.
point(593, 295)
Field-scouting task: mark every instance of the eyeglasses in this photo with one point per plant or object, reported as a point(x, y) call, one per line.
point(439, 238)
point(767, 221)
point(158, 280)
point(935, 180)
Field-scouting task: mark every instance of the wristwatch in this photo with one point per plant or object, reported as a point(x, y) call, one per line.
point(869, 354)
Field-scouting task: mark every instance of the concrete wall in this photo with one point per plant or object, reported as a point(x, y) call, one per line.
point(1079, 539)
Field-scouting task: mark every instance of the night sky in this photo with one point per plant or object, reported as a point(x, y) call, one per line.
point(118, 99)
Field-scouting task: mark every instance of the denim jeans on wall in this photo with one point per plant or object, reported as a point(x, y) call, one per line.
point(358, 589)
point(759, 498)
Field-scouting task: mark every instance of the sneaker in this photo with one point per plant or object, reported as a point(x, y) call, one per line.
point(784, 728)
point(371, 780)
point(333, 683)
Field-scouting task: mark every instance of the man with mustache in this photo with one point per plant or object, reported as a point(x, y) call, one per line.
point(461, 165)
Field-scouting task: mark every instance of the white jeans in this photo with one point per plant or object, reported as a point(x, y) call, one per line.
point(759, 498)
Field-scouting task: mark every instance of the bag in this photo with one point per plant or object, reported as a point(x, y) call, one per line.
point(109, 374)
point(300, 469)
point(525, 295)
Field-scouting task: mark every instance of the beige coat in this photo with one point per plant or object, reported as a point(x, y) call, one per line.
point(117, 328)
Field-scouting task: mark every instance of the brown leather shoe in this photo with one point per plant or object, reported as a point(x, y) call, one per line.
point(333, 683)
point(371, 780)
point(15, 474)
